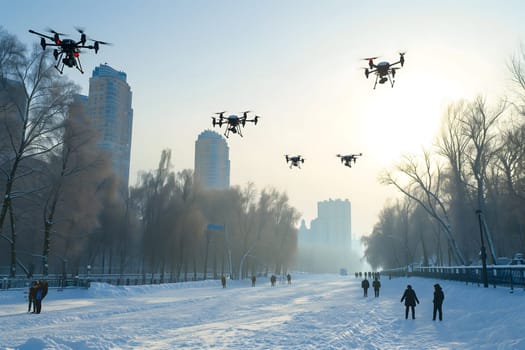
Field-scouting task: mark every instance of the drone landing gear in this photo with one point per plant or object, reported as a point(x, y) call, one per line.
point(391, 79)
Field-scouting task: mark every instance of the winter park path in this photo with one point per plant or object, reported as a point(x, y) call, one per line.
point(315, 312)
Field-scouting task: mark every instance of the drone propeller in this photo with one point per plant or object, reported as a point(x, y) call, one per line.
point(402, 58)
point(55, 32)
point(370, 61)
point(97, 43)
point(56, 35)
point(83, 37)
point(100, 42)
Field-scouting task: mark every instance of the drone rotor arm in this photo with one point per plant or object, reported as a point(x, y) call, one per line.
point(42, 35)
point(393, 64)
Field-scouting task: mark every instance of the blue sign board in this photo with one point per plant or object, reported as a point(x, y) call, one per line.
point(216, 227)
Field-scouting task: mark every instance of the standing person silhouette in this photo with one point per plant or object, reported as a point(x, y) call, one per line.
point(32, 296)
point(376, 284)
point(365, 285)
point(410, 298)
point(439, 296)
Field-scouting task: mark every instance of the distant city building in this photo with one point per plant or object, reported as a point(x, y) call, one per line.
point(109, 106)
point(327, 245)
point(212, 160)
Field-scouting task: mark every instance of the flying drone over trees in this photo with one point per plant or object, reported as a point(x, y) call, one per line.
point(294, 161)
point(384, 71)
point(67, 51)
point(348, 159)
point(233, 122)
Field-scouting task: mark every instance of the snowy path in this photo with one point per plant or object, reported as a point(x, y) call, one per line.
point(315, 312)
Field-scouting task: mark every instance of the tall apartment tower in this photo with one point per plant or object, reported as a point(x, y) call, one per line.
point(109, 106)
point(334, 222)
point(212, 160)
point(327, 245)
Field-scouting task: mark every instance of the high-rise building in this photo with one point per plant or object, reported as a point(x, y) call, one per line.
point(327, 245)
point(109, 106)
point(212, 160)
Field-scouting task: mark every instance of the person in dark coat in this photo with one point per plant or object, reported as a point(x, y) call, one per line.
point(439, 296)
point(273, 279)
point(223, 281)
point(253, 280)
point(289, 278)
point(39, 295)
point(365, 285)
point(410, 298)
point(376, 284)
point(32, 296)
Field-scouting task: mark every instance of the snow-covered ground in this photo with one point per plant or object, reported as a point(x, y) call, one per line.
point(314, 312)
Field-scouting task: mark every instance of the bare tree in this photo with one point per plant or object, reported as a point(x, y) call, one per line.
point(424, 186)
point(517, 70)
point(38, 99)
point(479, 126)
point(453, 146)
point(77, 164)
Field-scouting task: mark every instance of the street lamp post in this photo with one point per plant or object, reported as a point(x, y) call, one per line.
point(483, 252)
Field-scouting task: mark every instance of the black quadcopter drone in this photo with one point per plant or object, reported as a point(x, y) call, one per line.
point(347, 159)
point(67, 51)
point(294, 161)
point(233, 122)
point(384, 71)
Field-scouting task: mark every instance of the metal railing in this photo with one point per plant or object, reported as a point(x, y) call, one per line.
point(83, 281)
point(498, 275)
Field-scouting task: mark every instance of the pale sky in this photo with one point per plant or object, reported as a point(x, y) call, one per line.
point(297, 64)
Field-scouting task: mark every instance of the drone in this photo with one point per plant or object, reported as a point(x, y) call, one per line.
point(67, 51)
point(347, 159)
point(294, 161)
point(384, 71)
point(233, 122)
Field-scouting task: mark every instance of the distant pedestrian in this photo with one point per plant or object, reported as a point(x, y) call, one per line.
point(223, 281)
point(365, 285)
point(273, 279)
point(289, 278)
point(410, 298)
point(39, 295)
point(439, 296)
point(376, 284)
point(253, 280)
point(31, 296)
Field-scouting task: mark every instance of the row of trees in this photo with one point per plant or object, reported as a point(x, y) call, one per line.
point(469, 187)
point(236, 230)
point(62, 208)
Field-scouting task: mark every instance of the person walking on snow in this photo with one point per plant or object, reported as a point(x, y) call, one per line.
point(410, 298)
point(376, 284)
point(439, 296)
point(365, 285)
